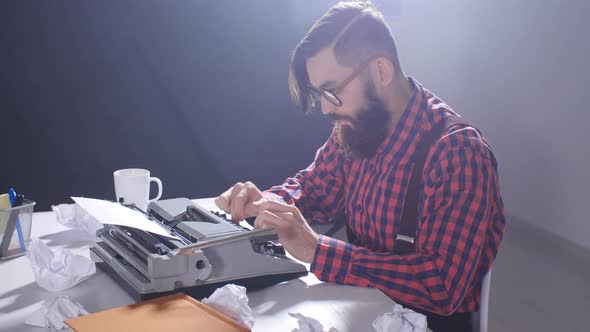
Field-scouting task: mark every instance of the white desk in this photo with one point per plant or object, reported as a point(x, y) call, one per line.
point(346, 308)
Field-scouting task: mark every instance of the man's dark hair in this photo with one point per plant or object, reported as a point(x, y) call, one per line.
point(356, 30)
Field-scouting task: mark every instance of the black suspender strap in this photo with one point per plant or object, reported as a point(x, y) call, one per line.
point(405, 244)
point(407, 230)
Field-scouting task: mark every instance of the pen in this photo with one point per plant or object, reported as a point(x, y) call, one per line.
point(17, 200)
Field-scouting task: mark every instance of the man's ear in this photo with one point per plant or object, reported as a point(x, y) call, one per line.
point(384, 71)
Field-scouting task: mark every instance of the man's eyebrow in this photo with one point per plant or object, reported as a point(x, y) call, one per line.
point(328, 84)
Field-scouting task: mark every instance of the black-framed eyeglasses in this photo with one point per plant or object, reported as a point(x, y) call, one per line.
point(331, 94)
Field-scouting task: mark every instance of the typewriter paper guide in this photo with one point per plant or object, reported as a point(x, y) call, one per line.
point(113, 213)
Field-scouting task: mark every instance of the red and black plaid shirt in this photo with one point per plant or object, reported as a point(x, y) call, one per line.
point(461, 215)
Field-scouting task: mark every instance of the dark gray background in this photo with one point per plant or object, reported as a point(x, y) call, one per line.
point(195, 91)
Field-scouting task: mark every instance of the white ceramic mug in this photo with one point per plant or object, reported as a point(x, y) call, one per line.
point(133, 186)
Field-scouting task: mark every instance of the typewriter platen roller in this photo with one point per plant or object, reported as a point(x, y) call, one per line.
point(149, 265)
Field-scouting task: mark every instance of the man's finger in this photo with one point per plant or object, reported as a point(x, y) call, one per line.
point(253, 191)
point(269, 219)
point(239, 201)
point(253, 208)
point(234, 191)
point(281, 207)
point(223, 200)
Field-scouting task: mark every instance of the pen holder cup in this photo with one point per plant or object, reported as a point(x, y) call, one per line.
point(15, 229)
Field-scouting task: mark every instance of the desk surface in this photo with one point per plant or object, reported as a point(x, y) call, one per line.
point(346, 308)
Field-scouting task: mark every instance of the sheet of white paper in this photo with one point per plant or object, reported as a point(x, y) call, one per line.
point(232, 301)
point(54, 311)
point(73, 216)
point(60, 268)
point(308, 324)
point(400, 319)
point(113, 213)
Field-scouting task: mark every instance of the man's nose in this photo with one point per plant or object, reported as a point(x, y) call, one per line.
point(327, 107)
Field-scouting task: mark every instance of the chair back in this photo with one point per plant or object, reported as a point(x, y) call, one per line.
point(480, 318)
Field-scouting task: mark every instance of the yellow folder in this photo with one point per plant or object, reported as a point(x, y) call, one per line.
point(178, 312)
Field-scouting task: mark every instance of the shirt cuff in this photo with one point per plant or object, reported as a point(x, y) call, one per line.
point(274, 197)
point(332, 260)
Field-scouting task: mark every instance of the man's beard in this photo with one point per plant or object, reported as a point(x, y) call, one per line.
point(371, 127)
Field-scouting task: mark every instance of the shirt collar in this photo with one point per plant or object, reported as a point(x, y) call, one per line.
point(406, 123)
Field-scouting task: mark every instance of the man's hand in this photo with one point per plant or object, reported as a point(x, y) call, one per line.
point(293, 230)
point(243, 200)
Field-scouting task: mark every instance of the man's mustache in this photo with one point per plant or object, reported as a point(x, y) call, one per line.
point(337, 117)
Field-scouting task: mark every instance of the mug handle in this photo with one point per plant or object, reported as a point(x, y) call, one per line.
point(156, 180)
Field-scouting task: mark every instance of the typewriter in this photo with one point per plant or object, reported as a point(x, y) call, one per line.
point(207, 251)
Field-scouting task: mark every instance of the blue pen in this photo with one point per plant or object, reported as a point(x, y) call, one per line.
point(19, 231)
